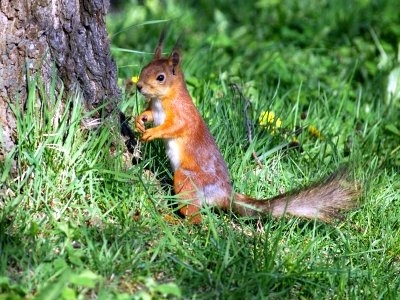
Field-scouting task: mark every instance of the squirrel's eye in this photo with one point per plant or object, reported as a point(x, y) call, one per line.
point(160, 77)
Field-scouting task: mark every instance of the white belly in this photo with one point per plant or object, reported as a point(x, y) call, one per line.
point(173, 153)
point(171, 145)
point(158, 112)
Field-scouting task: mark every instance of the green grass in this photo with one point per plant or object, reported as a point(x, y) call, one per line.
point(68, 220)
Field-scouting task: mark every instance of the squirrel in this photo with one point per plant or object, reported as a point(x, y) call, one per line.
point(201, 175)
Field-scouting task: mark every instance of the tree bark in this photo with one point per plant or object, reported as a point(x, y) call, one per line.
point(65, 38)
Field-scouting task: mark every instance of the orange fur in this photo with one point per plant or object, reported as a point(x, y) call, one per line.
point(200, 173)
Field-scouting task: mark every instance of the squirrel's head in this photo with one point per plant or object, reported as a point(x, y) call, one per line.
point(162, 75)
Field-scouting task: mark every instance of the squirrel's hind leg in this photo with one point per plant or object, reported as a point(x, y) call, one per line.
point(185, 189)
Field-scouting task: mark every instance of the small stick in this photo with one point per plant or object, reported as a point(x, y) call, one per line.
point(247, 122)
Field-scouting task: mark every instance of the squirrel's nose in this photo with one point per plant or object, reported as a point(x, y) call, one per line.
point(139, 86)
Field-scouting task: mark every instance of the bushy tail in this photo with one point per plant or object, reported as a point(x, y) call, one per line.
point(323, 201)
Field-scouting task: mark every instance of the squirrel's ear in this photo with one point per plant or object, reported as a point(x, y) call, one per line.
point(175, 58)
point(158, 52)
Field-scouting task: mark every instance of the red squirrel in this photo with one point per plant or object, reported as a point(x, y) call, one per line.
point(201, 175)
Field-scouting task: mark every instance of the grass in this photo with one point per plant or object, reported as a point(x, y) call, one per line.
point(79, 222)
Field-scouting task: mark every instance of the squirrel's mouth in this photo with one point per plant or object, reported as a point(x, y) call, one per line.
point(147, 97)
point(143, 93)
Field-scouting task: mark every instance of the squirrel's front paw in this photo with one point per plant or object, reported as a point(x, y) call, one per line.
point(139, 122)
point(148, 135)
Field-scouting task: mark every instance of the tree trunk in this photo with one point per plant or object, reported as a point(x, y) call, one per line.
point(67, 38)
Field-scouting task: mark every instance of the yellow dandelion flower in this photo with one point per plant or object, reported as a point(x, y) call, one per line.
point(278, 123)
point(267, 119)
point(135, 79)
point(313, 130)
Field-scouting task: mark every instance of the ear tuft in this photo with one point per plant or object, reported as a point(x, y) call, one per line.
point(158, 52)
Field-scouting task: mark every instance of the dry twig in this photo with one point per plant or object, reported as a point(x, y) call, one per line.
point(247, 103)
